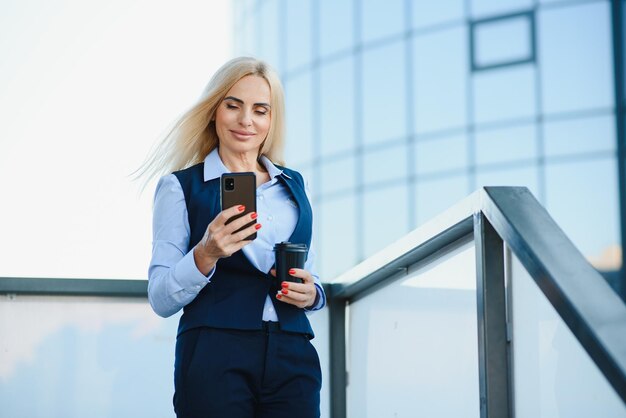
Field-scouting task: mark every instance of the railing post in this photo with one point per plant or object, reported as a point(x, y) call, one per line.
point(338, 370)
point(493, 346)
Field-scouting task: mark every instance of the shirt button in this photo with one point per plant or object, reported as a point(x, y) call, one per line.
point(271, 309)
point(269, 218)
point(261, 197)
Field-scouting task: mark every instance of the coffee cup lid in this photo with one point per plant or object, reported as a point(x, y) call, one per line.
point(290, 246)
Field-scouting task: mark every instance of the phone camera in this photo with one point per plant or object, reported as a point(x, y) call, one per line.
point(229, 184)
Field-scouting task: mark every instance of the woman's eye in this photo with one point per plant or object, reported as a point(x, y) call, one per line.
point(229, 106)
point(261, 112)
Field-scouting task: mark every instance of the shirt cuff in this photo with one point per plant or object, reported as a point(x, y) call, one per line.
point(189, 277)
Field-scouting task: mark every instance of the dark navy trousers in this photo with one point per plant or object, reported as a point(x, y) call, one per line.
point(225, 373)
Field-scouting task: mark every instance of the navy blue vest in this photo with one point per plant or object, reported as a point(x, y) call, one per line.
point(236, 294)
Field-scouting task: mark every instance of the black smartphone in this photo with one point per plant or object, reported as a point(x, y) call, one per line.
point(239, 189)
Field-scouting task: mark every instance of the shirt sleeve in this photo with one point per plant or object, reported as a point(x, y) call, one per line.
point(310, 266)
point(173, 277)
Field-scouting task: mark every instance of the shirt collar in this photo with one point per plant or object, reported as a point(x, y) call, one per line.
point(214, 167)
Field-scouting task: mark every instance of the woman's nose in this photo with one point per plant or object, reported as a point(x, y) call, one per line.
point(246, 118)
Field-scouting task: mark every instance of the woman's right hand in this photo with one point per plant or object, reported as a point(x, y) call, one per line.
point(219, 239)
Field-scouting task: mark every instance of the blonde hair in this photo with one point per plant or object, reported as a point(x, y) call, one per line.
point(194, 136)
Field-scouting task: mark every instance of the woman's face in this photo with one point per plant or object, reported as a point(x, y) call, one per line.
point(242, 120)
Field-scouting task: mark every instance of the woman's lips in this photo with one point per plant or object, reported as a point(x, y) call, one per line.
point(242, 134)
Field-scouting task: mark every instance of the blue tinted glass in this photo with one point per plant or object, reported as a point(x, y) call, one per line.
point(338, 175)
point(429, 13)
point(247, 32)
point(337, 111)
point(381, 18)
point(299, 41)
point(489, 8)
point(299, 147)
point(440, 80)
point(525, 176)
point(435, 196)
point(576, 59)
point(504, 93)
point(582, 198)
point(441, 154)
point(384, 93)
point(580, 136)
point(385, 217)
point(503, 41)
point(508, 144)
point(337, 247)
point(336, 25)
point(388, 163)
point(269, 32)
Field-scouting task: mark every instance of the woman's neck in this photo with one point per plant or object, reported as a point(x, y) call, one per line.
point(241, 162)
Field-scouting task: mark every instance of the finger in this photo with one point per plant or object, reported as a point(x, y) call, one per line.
point(240, 222)
point(290, 300)
point(302, 274)
point(273, 272)
point(226, 214)
point(243, 234)
point(297, 296)
point(307, 288)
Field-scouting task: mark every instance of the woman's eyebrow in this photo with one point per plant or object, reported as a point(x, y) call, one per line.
point(241, 101)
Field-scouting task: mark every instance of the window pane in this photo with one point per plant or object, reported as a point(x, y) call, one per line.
point(338, 249)
point(508, 144)
point(488, 8)
point(269, 32)
point(384, 93)
point(387, 163)
point(524, 176)
point(576, 58)
point(435, 196)
point(299, 147)
point(580, 136)
point(428, 13)
point(299, 43)
point(337, 111)
point(338, 175)
point(385, 213)
point(381, 18)
point(441, 154)
point(503, 41)
point(504, 93)
point(336, 25)
point(582, 198)
point(440, 80)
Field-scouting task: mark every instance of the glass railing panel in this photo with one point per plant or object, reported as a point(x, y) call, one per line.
point(68, 356)
point(319, 322)
point(553, 376)
point(412, 345)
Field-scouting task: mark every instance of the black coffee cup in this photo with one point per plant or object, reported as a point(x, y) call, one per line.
point(288, 256)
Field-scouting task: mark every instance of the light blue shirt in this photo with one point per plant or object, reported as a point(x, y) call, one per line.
point(174, 278)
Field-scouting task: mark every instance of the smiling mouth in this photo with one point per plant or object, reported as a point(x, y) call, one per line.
point(241, 134)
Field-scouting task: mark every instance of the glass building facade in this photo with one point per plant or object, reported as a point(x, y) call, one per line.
point(399, 109)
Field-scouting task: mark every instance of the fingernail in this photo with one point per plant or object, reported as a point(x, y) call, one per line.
point(279, 296)
point(254, 215)
point(292, 271)
point(241, 208)
point(257, 226)
point(284, 291)
point(285, 284)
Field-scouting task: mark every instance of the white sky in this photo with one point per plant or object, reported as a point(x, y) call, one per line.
point(86, 88)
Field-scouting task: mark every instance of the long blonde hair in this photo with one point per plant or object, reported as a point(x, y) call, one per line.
point(194, 136)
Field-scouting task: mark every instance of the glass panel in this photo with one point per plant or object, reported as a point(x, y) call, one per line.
point(383, 164)
point(336, 25)
point(66, 356)
point(337, 106)
point(384, 93)
point(385, 217)
point(428, 13)
point(502, 41)
point(299, 28)
point(525, 176)
point(576, 58)
point(299, 102)
point(338, 249)
point(441, 154)
point(553, 375)
point(380, 19)
point(319, 322)
point(269, 32)
point(440, 80)
point(504, 93)
point(338, 175)
point(435, 196)
point(508, 144)
point(580, 136)
point(488, 8)
point(249, 32)
point(412, 344)
point(587, 190)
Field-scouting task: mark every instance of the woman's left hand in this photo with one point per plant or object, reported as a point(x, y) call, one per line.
point(301, 295)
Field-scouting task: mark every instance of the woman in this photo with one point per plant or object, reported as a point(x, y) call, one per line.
point(243, 346)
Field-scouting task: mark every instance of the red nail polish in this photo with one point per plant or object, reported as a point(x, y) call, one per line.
point(285, 291)
point(279, 296)
point(257, 226)
point(241, 208)
point(285, 284)
point(292, 271)
point(254, 215)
